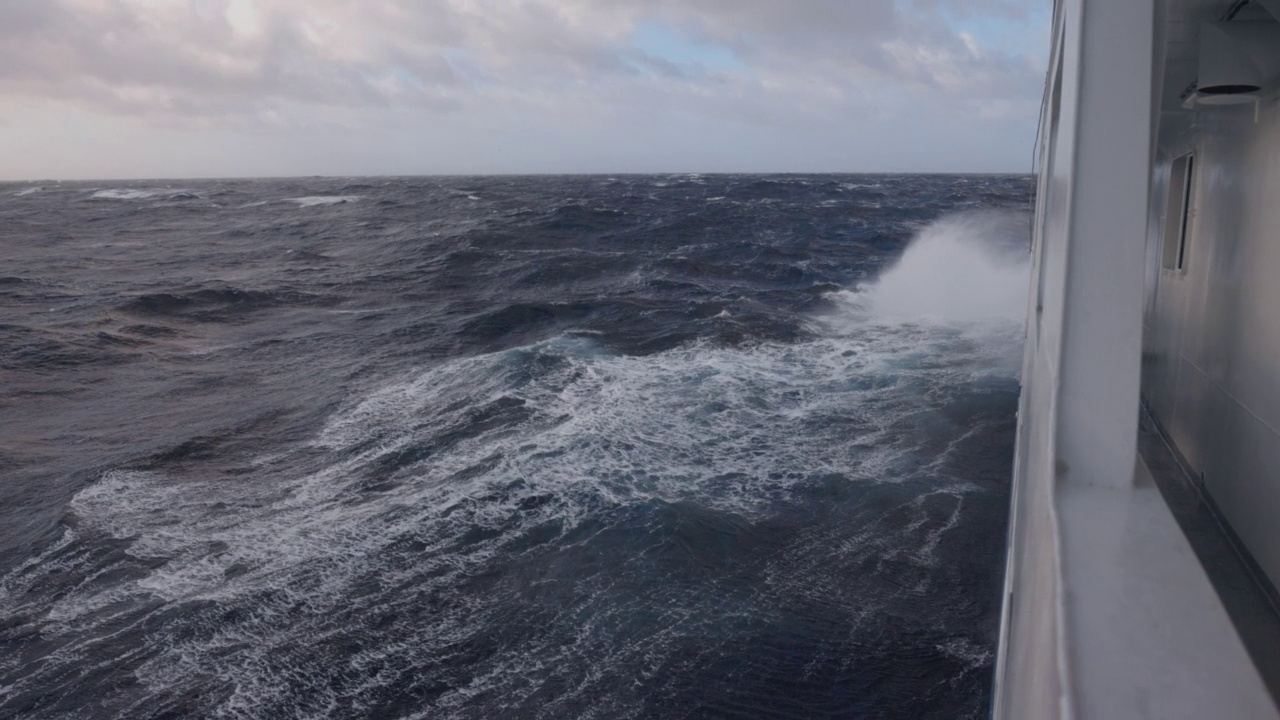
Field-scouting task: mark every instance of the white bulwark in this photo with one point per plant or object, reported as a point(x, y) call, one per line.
point(1155, 301)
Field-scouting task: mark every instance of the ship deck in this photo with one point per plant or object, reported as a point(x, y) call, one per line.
point(1149, 631)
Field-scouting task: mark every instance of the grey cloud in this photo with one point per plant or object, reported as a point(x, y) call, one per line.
point(264, 62)
point(190, 61)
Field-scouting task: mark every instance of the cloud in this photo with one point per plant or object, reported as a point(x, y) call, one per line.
point(183, 88)
point(270, 64)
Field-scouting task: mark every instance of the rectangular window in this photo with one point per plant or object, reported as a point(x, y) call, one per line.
point(1177, 213)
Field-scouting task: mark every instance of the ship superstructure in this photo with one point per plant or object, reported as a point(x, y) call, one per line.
point(1145, 534)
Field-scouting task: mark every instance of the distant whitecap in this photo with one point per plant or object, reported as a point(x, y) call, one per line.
point(312, 200)
point(123, 194)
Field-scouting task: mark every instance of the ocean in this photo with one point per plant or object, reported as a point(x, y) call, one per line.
point(662, 446)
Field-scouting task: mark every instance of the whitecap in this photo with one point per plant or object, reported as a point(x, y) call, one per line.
point(312, 200)
point(124, 194)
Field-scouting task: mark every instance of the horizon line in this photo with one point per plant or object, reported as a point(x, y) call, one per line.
point(208, 178)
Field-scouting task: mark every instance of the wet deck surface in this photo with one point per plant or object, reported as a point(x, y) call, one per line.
point(1147, 635)
point(1248, 597)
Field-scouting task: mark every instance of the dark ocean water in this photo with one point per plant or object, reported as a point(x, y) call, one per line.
point(545, 447)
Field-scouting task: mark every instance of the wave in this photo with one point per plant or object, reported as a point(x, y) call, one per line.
point(524, 319)
point(577, 217)
point(212, 304)
point(18, 280)
point(141, 194)
point(34, 348)
point(518, 482)
point(431, 482)
point(969, 267)
point(123, 194)
point(314, 200)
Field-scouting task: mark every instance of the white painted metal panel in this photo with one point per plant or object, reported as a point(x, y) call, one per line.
point(1078, 413)
point(1213, 331)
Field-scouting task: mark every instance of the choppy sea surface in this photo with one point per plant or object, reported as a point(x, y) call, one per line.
point(679, 446)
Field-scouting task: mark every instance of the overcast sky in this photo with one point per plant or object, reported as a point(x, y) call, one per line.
point(218, 88)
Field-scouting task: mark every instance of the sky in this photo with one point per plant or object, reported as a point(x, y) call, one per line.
point(93, 89)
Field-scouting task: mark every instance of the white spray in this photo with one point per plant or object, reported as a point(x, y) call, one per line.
point(964, 268)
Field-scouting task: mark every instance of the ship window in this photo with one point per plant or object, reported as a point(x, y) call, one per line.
point(1177, 215)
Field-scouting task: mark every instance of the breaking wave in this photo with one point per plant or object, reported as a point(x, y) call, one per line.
point(313, 200)
point(141, 194)
point(969, 267)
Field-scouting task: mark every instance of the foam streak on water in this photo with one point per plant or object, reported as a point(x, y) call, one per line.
point(546, 448)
